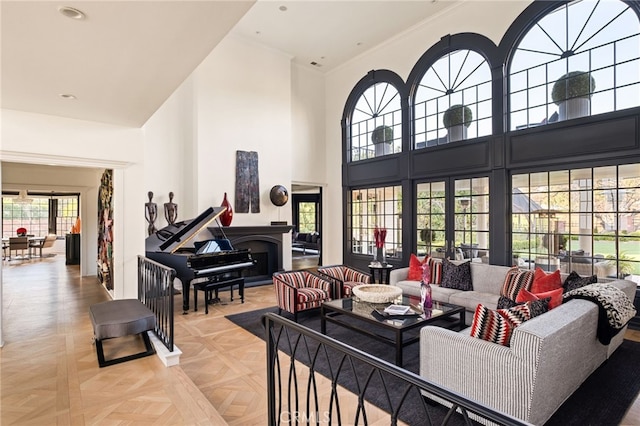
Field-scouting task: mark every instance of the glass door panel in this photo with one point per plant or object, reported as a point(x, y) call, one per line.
point(471, 219)
point(431, 219)
point(453, 218)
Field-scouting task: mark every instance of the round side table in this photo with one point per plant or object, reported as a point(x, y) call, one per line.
point(380, 273)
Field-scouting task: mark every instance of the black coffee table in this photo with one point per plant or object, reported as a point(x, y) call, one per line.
point(361, 316)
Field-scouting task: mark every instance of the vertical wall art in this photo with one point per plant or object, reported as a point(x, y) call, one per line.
point(247, 182)
point(105, 230)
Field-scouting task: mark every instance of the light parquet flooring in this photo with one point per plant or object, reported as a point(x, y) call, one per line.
point(49, 372)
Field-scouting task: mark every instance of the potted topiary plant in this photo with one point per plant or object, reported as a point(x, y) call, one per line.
point(572, 93)
point(456, 119)
point(382, 138)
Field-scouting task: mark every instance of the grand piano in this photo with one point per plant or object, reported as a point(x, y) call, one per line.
point(213, 259)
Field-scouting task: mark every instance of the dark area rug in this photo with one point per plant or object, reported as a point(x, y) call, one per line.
point(602, 399)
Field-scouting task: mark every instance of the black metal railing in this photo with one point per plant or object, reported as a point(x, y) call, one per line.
point(155, 290)
point(309, 376)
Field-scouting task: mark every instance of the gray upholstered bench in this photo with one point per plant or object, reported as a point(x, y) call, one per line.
point(118, 318)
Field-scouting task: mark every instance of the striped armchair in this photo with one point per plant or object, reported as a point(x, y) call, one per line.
point(344, 278)
point(298, 291)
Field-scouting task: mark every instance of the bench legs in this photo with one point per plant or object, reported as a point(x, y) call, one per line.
point(149, 350)
point(210, 286)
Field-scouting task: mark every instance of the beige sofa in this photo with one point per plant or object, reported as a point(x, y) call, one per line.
point(487, 281)
point(549, 356)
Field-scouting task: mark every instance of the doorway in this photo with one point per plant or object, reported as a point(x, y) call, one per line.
point(306, 217)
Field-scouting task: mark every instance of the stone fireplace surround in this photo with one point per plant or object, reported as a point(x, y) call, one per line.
point(265, 243)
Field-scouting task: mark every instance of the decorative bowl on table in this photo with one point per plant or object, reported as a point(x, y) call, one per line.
point(377, 293)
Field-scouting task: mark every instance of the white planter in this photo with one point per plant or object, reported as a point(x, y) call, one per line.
point(456, 133)
point(383, 148)
point(574, 108)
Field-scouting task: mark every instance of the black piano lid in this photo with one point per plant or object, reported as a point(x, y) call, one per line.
point(173, 237)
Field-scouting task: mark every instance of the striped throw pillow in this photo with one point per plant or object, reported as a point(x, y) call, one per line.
point(516, 280)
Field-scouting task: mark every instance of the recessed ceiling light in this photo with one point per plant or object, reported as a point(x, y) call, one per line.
point(67, 96)
point(71, 12)
point(283, 8)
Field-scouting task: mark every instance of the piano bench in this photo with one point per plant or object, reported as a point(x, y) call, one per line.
point(119, 318)
point(208, 286)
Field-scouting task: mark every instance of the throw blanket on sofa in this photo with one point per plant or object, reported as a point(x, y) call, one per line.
point(615, 308)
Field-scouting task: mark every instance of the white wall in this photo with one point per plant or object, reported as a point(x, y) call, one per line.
point(400, 54)
point(169, 145)
point(244, 103)
point(242, 97)
point(308, 132)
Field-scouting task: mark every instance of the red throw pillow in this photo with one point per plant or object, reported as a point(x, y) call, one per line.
point(543, 282)
point(526, 296)
point(415, 267)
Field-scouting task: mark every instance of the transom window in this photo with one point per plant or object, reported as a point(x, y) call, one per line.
point(453, 100)
point(581, 59)
point(371, 208)
point(376, 123)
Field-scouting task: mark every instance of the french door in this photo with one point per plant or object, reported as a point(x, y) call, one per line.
point(452, 218)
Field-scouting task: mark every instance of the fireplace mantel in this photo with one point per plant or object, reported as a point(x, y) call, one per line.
point(264, 241)
point(242, 231)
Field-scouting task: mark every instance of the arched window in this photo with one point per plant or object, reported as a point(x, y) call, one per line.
point(581, 59)
point(453, 100)
point(376, 123)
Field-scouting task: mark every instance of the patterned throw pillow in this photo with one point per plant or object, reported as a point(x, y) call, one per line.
point(545, 282)
point(489, 325)
point(539, 307)
point(555, 295)
point(517, 315)
point(574, 281)
point(415, 267)
point(516, 280)
point(436, 271)
point(456, 276)
point(506, 303)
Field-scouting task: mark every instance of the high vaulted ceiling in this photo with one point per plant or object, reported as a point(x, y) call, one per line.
point(125, 58)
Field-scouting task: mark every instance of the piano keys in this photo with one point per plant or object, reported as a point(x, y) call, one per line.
point(213, 259)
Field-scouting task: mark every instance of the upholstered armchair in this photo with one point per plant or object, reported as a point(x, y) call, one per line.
point(344, 278)
point(298, 291)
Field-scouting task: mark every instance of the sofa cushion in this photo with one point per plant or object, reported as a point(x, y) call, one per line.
point(488, 278)
point(574, 281)
point(527, 296)
point(456, 276)
point(443, 294)
point(489, 325)
point(543, 282)
point(415, 267)
point(516, 280)
point(471, 299)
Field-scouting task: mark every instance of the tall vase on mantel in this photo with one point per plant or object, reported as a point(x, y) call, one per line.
point(227, 215)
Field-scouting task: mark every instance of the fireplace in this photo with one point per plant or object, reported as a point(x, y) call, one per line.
point(265, 243)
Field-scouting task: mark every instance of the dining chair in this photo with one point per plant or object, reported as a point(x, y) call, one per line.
point(18, 244)
point(41, 243)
